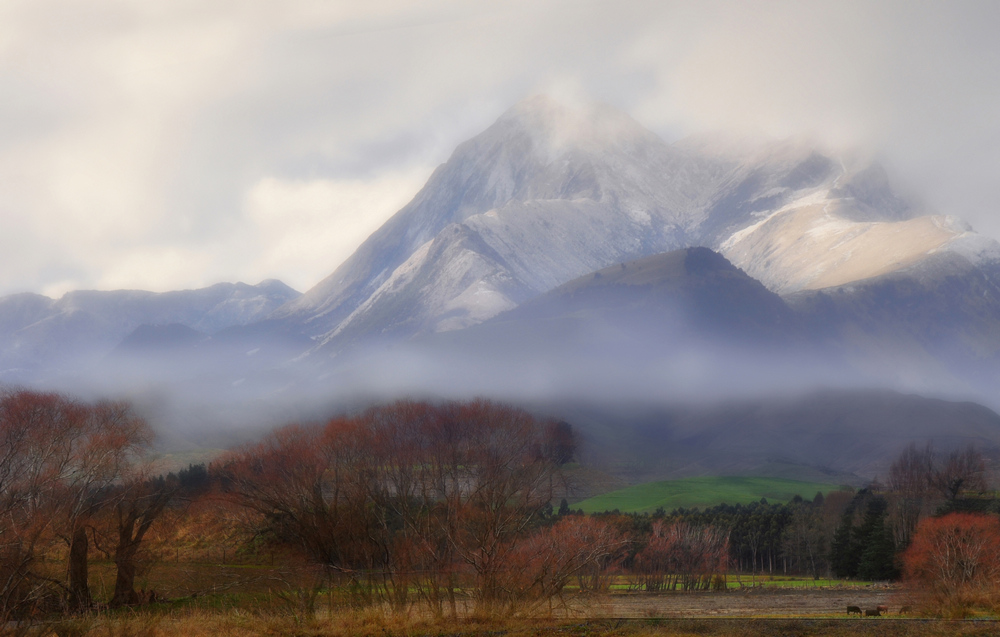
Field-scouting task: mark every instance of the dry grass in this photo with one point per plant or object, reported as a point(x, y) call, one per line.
point(241, 623)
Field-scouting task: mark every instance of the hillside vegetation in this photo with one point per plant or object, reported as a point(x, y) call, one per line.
point(702, 492)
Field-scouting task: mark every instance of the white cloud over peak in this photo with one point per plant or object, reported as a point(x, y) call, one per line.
point(173, 143)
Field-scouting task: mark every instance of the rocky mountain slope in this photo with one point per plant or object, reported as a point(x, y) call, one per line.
point(938, 318)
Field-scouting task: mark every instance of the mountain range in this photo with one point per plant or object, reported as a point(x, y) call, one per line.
point(41, 337)
point(568, 252)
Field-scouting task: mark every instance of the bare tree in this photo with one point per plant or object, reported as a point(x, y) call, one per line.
point(110, 440)
point(57, 459)
point(138, 503)
point(953, 564)
point(910, 482)
point(542, 564)
point(962, 470)
point(405, 493)
point(308, 484)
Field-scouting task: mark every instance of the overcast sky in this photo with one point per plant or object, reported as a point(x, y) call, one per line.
point(165, 144)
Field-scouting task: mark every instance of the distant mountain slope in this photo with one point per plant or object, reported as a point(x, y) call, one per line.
point(691, 291)
point(153, 339)
point(42, 335)
point(843, 431)
point(939, 316)
point(827, 239)
point(557, 253)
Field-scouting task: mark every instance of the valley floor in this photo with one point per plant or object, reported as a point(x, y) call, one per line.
point(757, 602)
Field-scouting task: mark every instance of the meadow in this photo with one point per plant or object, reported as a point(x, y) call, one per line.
point(704, 491)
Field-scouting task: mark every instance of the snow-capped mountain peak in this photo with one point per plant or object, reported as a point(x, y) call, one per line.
point(553, 191)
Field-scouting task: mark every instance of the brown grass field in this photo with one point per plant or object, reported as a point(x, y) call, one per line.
point(261, 594)
point(241, 623)
point(252, 600)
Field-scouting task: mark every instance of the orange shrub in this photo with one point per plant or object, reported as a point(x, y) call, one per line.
point(953, 563)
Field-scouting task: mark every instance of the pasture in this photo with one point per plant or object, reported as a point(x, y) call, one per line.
point(701, 492)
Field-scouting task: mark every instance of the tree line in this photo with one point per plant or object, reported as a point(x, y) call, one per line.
point(848, 533)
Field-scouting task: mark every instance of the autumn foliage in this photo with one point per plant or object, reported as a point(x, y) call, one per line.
point(953, 563)
point(417, 499)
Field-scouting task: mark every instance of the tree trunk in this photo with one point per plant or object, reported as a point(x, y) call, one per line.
point(136, 514)
point(125, 594)
point(79, 588)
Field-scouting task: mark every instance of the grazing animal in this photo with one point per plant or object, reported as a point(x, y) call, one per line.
point(905, 610)
point(854, 609)
point(883, 609)
point(873, 612)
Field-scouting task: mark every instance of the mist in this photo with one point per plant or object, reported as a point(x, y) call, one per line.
point(598, 357)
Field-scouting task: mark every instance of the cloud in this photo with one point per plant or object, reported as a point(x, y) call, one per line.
point(918, 83)
point(172, 127)
point(299, 224)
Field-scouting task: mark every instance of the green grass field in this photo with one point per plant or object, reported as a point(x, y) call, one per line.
point(701, 492)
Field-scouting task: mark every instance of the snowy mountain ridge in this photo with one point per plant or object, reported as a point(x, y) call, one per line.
point(550, 192)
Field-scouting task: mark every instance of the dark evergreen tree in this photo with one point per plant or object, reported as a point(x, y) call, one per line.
point(878, 557)
point(876, 549)
point(842, 548)
point(564, 507)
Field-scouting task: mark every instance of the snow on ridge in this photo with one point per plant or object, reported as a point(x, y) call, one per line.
point(814, 198)
point(813, 247)
point(402, 275)
point(971, 245)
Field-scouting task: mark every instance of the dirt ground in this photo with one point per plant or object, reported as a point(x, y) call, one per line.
point(734, 603)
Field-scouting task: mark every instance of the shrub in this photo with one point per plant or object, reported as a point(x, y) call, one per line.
point(953, 564)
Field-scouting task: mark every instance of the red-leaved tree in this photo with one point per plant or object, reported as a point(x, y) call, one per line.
point(682, 555)
point(540, 566)
point(953, 563)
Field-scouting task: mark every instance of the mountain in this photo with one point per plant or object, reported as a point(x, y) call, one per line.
point(567, 253)
point(666, 327)
point(501, 221)
point(551, 192)
point(694, 286)
point(827, 240)
point(153, 338)
point(43, 336)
